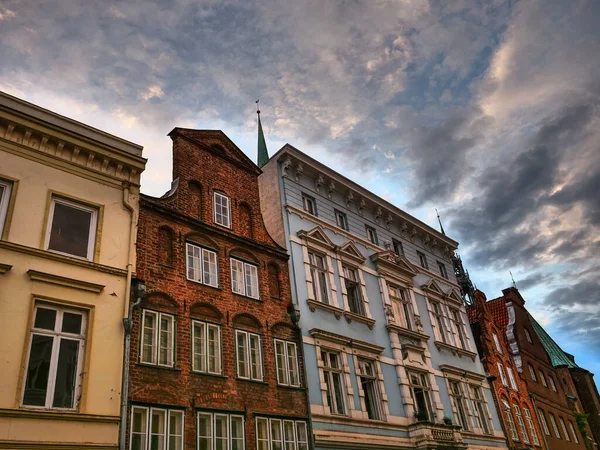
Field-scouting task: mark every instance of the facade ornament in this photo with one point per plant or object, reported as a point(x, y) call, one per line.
point(387, 244)
point(330, 189)
point(349, 199)
point(403, 228)
point(378, 214)
point(447, 252)
point(388, 221)
point(389, 312)
point(299, 171)
point(287, 163)
point(413, 233)
point(320, 182)
point(426, 241)
point(361, 206)
point(434, 243)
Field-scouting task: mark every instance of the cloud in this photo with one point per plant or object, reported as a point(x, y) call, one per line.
point(153, 91)
point(6, 13)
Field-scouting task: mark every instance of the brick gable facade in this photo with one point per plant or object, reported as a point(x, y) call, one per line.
point(197, 382)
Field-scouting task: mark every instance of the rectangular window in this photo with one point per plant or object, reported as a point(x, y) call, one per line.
point(502, 374)
point(442, 269)
point(531, 426)
point(218, 431)
point(249, 355)
point(222, 213)
point(552, 385)
point(510, 421)
point(458, 399)
point(278, 434)
point(201, 265)
point(421, 395)
point(543, 422)
point(156, 429)
point(511, 377)
point(372, 234)
point(497, 342)
point(244, 278)
point(318, 272)
point(341, 220)
point(286, 363)
point(367, 377)
point(206, 347)
point(521, 424)
point(71, 228)
point(480, 409)
point(532, 373)
point(54, 369)
point(5, 189)
point(554, 425)
point(309, 204)
point(333, 375)
point(353, 290)
point(439, 321)
point(398, 247)
point(401, 307)
point(572, 428)
point(158, 338)
point(423, 260)
point(564, 429)
point(460, 328)
point(543, 378)
point(528, 336)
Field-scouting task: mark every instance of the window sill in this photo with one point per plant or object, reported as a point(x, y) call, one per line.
point(264, 383)
point(313, 305)
point(156, 366)
point(52, 414)
point(350, 316)
point(406, 332)
point(293, 388)
point(248, 298)
point(201, 283)
point(205, 374)
point(455, 350)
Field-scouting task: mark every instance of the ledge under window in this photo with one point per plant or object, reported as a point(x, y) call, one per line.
point(313, 305)
point(350, 316)
point(406, 332)
point(455, 350)
point(4, 268)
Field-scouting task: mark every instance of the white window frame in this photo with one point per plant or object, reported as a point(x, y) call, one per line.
point(502, 374)
point(372, 235)
point(328, 372)
point(459, 399)
point(552, 384)
point(511, 377)
point(309, 203)
point(341, 219)
point(543, 422)
point(423, 260)
point(374, 379)
point(226, 218)
point(480, 406)
point(532, 372)
point(248, 287)
point(438, 315)
point(200, 272)
point(528, 336)
point(443, 270)
point(543, 378)
point(424, 384)
point(204, 352)
point(316, 280)
point(497, 342)
point(4, 201)
point(290, 374)
point(522, 426)
point(459, 325)
point(575, 438)
point(294, 443)
point(352, 274)
point(564, 428)
point(92, 232)
point(510, 420)
point(57, 335)
point(247, 363)
point(156, 346)
point(536, 440)
point(402, 306)
point(213, 439)
point(147, 433)
point(554, 425)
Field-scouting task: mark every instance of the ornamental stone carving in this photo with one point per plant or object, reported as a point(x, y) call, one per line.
point(388, 221)
point(361, 206)
point(299, 171)
point(378, 214)
point(330, 189)
point(285, 166)
point(319, 182)
point(349, 199)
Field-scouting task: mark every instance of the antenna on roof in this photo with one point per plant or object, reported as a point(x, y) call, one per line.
point(513, 279)
point(440, 221)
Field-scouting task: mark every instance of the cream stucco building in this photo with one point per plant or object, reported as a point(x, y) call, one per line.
point(68, 215)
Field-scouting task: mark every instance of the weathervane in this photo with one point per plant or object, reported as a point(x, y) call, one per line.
point(257, 109)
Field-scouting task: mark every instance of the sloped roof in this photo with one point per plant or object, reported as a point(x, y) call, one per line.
point(498, 311)
point(557, 355)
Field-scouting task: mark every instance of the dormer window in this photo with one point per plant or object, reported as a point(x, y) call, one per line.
point(341, 220)
point(528, 336)
point(222, 210)
point(309, 204)
point(442, 268)
point(371, 234)
point(423, 260)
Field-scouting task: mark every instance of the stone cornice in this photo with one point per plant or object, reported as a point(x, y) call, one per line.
point(455, 350)
point(39, 134)
point(457, 371)
point(344, 340)
point(406, 332)
point(4, 268)
point(51, 278)
point(57, 416)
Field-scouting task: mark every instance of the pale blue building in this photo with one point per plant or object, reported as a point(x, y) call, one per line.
point(389, 356)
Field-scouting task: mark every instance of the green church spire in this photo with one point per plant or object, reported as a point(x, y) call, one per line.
point(263, 154)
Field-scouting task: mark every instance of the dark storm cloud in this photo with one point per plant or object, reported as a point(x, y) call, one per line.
point(585, 292)
point(533, 280)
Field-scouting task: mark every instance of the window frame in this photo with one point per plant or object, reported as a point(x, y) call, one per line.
point(344, 219)
point(4, 202)
point(424, 386)
point(442, 269)
point(57, 337)
point(423, 260)
point(371, 234)
point(286, 359)
point(202, 250)
point(319, 290)
point(244, 265)
point(521, 423)
point(554, 425)
point(268, 421)
point(575, 438)
point(457, 321)
point(248, 349)
point(328, 372)
point(148, 421)
point(402, 306)
point(502, 374)
point(396, 244)
point(157, 331)
point(460, 404)
point(531, 426)
point(528, 336)
point(359, 304)
point(373, 378)
point(480, 406)
point(511, 379)
point(497, 343)
point(563, 425)
point(552, 383)
point(543, 378)
point(92, 233)
point(206, 357)
point(438, 314)
point(309, 200)
point(222, 195)
point(543, 422)
point(511, 422)
point(532, 373)
point(213, 417)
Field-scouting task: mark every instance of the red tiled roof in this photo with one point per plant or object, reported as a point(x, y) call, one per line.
point(472, 314)
point(498, 311)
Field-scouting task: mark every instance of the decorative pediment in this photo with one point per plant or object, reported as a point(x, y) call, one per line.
point(350, 250)
point(389, 263)
point(455, 296)
point(433, 288)
point(317, 236)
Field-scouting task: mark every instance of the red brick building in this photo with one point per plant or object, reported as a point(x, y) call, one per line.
point(489, 322)
point(216, 361)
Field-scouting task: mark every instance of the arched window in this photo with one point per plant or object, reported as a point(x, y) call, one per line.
point(245, 221)
point(274, 285)
point(195, 194)
point(165, 246)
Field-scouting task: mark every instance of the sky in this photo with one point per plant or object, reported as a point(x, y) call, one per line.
point(487, 110)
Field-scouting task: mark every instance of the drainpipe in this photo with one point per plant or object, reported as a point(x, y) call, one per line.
point(532, 397)
point(127, 312)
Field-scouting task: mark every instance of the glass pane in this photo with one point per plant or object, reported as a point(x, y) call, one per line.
point(339, 394)
point(148, 354)
point(70, 230)
point(37, 370)
point(157, 432)
point(213, 350)
point(255, 362)
point(166, 340)
point(66, 373)
point(221, 432)
point(71, 323)
point(45, 319)
point(237, 433)
point(139, 421)
point(276, 441)
point(280, 363)
point(138, 442)
point(242, 358)
point(175, 430)
point(199, 347)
